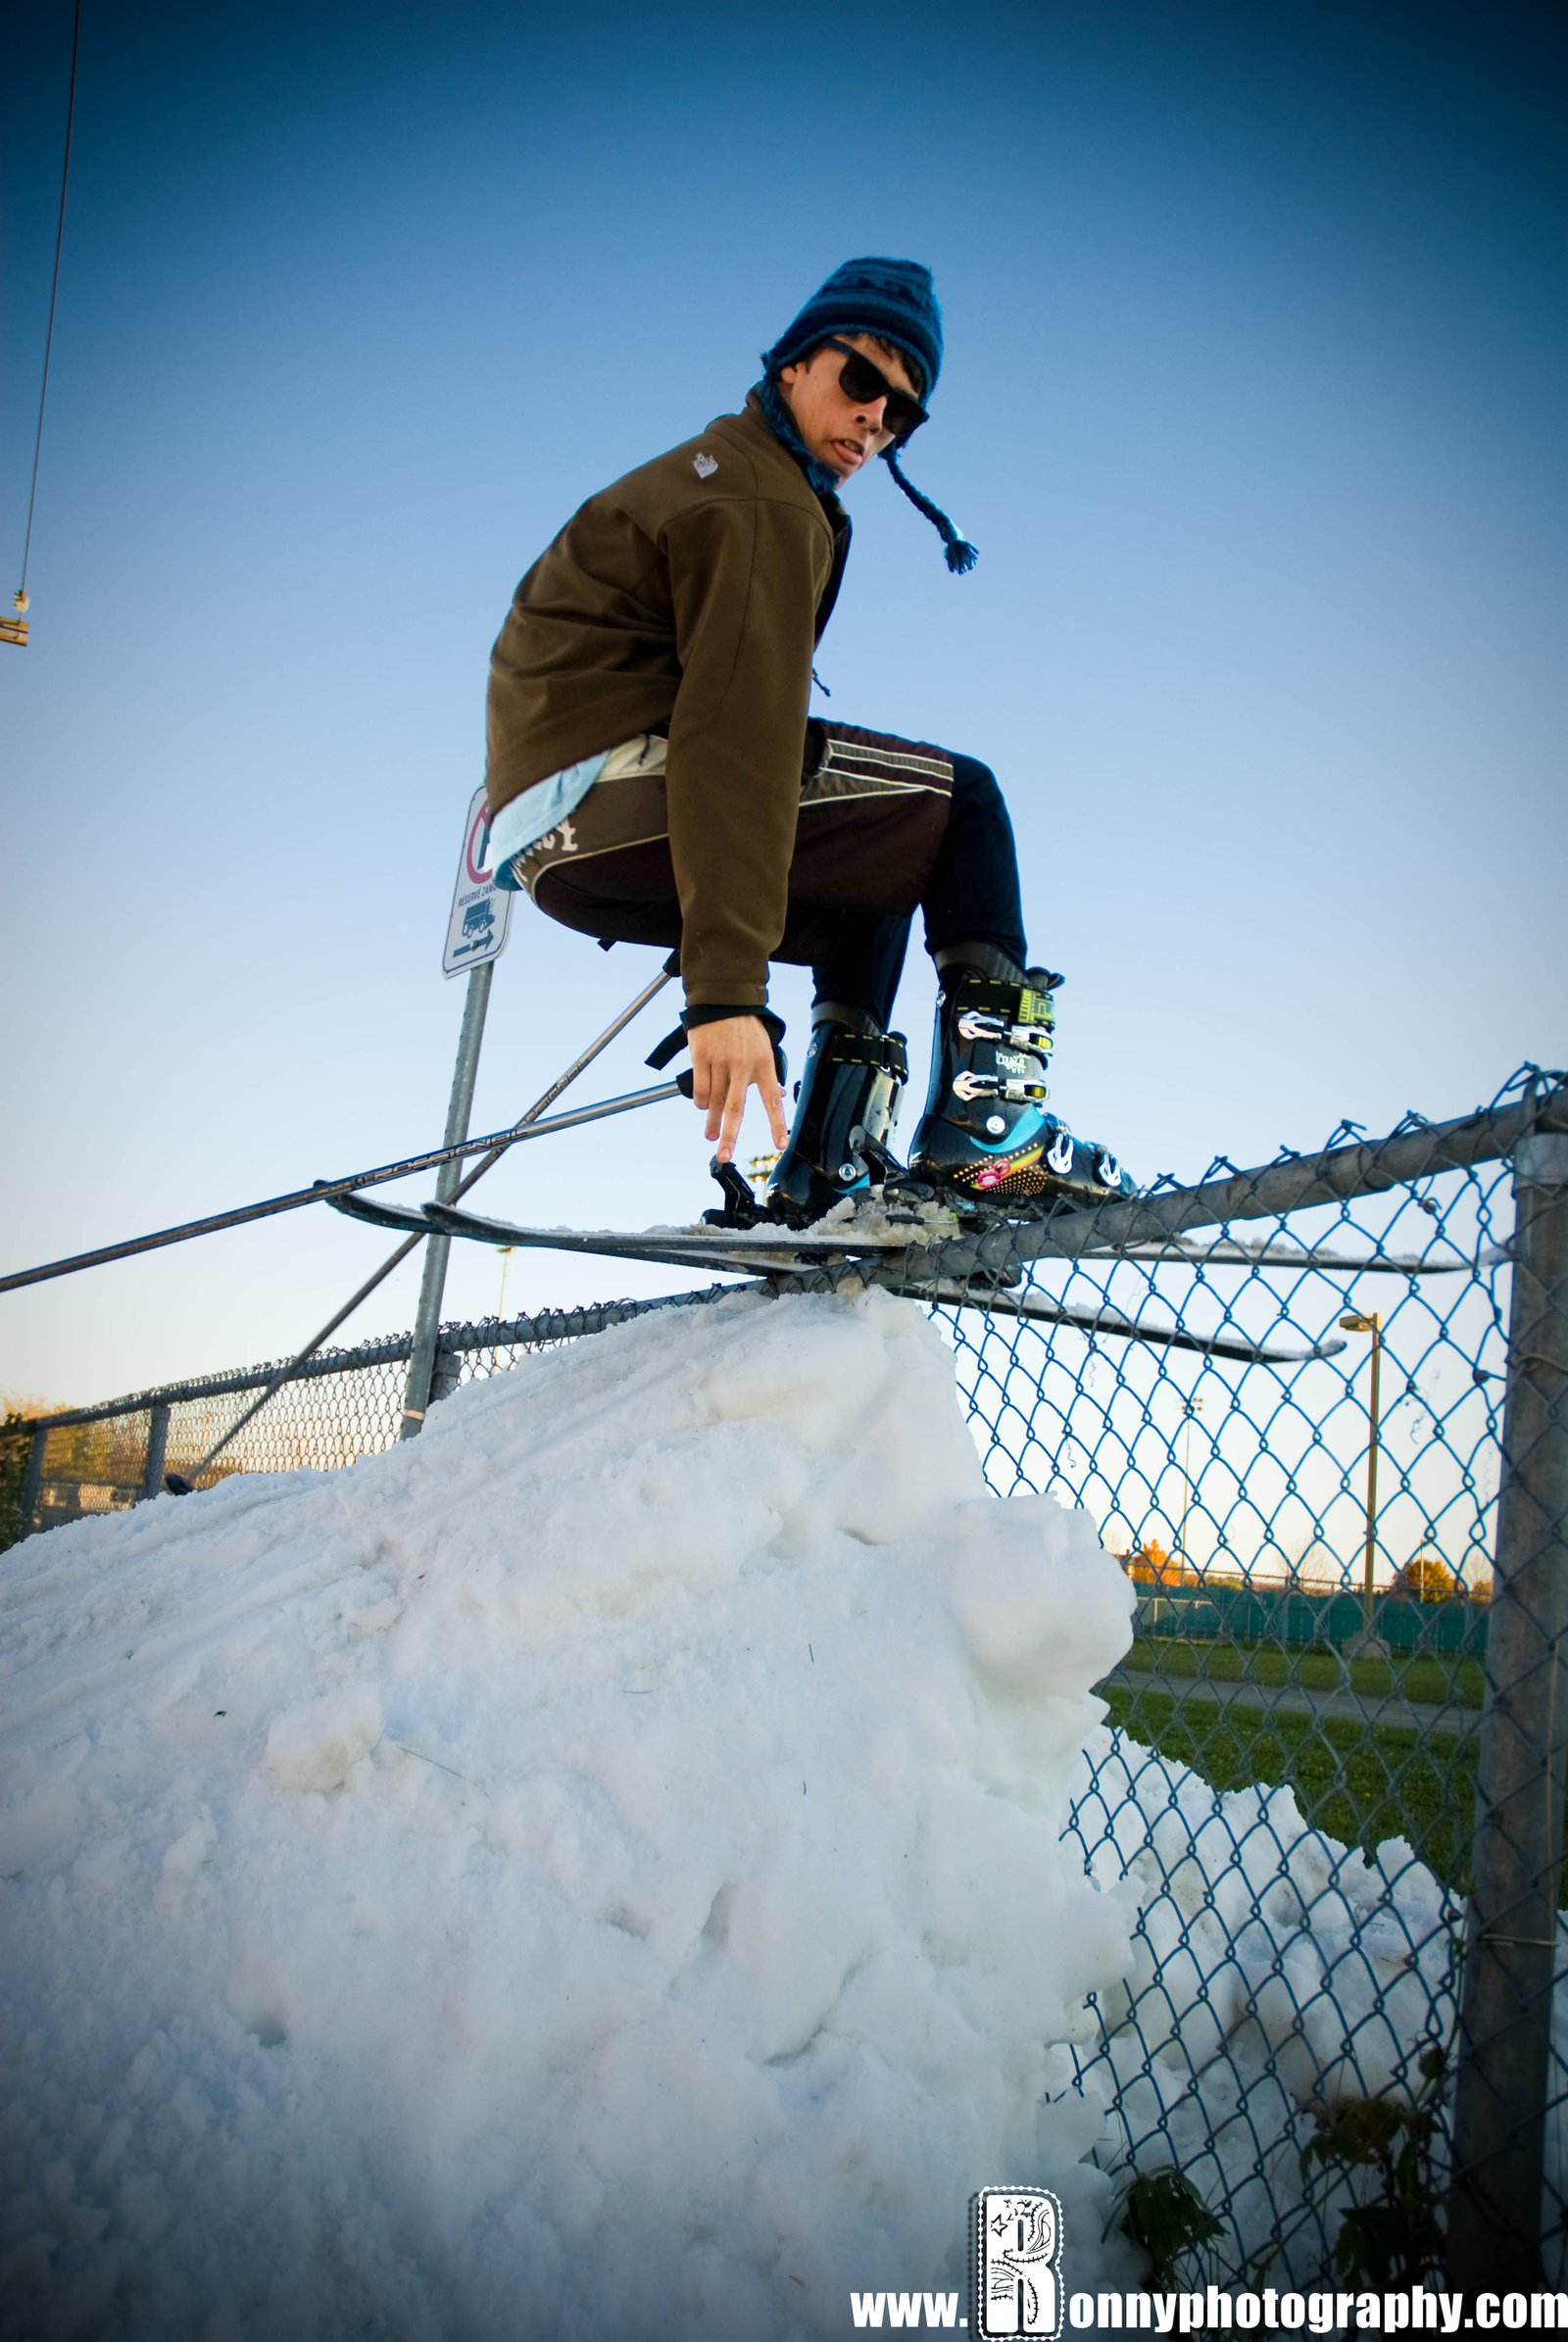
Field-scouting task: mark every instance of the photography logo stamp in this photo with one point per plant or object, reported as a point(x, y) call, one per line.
point(1018, 2246)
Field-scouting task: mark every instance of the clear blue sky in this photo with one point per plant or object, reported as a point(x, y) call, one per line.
point(1253, 403)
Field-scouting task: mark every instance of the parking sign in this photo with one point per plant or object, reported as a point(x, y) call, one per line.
point(482, 912)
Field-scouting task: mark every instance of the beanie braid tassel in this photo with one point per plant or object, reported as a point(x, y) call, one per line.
point(962, 555)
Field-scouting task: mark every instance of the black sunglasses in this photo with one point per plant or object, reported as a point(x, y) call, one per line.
point(864, 382)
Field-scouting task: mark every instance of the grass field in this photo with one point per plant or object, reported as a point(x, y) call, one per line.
point(1353, 1780)
point(1437, 1680)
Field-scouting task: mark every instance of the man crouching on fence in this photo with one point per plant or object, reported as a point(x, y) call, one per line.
point(654, 777)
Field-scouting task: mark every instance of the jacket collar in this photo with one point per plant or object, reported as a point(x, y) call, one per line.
point(764, 441)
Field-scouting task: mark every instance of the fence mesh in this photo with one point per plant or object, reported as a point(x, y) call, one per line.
point(1281, 1654)
point(341, 1405)
point(1297, 1454)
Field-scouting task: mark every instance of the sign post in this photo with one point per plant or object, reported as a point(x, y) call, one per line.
point(477, 925)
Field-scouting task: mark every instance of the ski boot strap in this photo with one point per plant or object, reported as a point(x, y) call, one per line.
point(1007, 1011)
point(991, 961)
point(887, 1052)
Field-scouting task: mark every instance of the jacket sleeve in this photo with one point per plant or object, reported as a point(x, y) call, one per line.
point(745, 576)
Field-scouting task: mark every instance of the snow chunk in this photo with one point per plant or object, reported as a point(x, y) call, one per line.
point(312, 1746)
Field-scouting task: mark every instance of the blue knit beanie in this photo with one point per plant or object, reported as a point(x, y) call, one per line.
point(896, 302)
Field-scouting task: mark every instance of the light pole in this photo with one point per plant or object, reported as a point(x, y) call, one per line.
point(1357, 1323)
point(1189, 1408)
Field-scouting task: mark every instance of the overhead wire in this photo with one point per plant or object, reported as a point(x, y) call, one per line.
point(54, 293)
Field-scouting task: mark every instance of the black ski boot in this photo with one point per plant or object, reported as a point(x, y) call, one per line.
point(985, 1132)
point(847, 1099)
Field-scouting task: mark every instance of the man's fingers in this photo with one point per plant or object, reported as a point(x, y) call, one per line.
point(734, 1108)
point(730, 1056)
point(727, 1103)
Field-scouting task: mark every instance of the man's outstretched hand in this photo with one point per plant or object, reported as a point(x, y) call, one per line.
point(730, 1056)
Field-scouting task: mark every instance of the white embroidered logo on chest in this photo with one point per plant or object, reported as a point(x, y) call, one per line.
point(704, 465)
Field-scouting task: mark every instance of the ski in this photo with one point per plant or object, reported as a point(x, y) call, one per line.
point(767, 1249)
point(1275, 1253)
point(407, 1218)
point(880, 1248)
point(951, 1293)
point(767, 1245)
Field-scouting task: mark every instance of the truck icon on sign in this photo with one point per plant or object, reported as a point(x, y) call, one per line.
point(478, 928)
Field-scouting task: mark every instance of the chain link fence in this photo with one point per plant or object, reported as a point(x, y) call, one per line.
point(1318, 1410)
point(1353, 1621)
point(339, 1406)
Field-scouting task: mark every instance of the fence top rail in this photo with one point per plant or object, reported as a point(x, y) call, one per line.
point(212, 1386)
point(544, 1325)
point(1531, 1101)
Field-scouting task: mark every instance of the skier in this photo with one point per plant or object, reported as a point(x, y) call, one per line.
point(654, 777)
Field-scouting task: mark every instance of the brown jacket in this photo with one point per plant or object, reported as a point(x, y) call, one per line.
point(687, 597)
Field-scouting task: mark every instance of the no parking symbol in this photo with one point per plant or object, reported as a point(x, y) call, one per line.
point(482, 912)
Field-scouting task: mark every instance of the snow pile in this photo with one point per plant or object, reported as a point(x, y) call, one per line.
point(594, 1868)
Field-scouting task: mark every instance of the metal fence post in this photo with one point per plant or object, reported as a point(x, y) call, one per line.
point(33, 1478)
point(1494, 2208)
point(152, 1475)
point(427, 1321)
point(446, 1372)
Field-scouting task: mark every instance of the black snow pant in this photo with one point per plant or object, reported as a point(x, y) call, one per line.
point(886, 826)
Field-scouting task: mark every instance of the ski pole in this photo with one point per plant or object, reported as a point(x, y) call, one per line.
point(492, 1148)
point(527, 1125)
